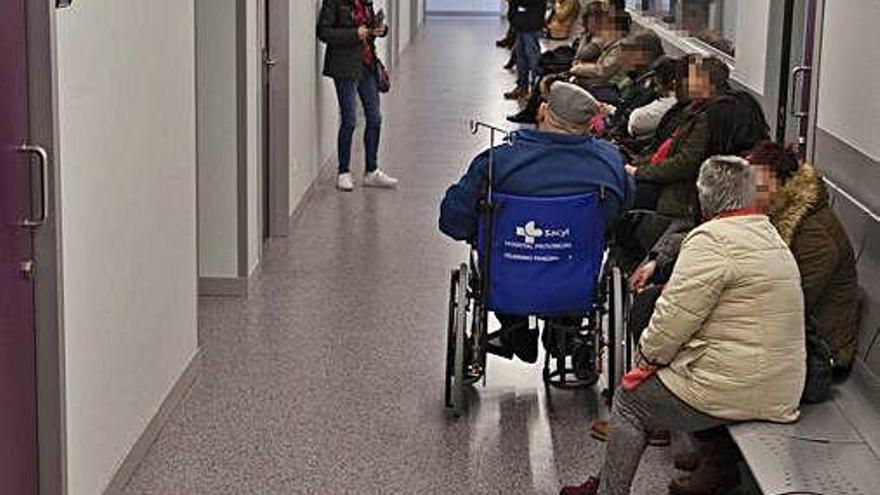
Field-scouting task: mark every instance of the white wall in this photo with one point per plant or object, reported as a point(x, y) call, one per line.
point(254, 136)
point(218, 140)
point(752, 29)
point(464, 5)
point(849, 85)
point(218, 125)
point(404, 13)
point(126, 106)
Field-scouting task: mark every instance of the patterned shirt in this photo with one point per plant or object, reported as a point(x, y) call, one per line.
point(363, 17)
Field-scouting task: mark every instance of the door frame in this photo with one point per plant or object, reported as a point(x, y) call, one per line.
point(813, 117)
point(48, 283)
point(276, 65)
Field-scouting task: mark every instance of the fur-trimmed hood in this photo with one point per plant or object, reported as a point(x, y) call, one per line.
point(800, 197)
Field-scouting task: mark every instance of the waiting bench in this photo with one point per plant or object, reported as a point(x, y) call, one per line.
point(835, 447)
point(833, 450)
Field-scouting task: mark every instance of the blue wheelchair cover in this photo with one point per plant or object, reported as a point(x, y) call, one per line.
point(546, 254)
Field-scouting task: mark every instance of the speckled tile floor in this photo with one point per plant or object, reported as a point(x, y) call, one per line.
point(329, 379)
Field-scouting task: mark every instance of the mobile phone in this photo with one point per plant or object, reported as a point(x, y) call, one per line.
point(380, 18)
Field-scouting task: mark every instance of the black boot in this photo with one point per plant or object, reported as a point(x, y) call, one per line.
point(511, 62)
point(529, 114)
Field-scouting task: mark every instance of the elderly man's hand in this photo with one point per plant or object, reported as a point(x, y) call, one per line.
point(631, 170)
point(639, 279)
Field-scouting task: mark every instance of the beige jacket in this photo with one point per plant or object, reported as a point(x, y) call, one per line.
point(729, 328)
point(609, 64)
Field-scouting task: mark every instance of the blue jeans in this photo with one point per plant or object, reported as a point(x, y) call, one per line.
point(347, 90)
point(528, 58)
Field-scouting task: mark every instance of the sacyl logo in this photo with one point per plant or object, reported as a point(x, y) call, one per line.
point(530, 232)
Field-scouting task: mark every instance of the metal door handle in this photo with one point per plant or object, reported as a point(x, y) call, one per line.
point(43, 156)
point(797, 75)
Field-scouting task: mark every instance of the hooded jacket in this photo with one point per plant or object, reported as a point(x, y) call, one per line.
point(538, 163)
point(728, 331)
point(801, 213)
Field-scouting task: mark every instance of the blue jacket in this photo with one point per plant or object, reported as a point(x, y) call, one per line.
point(540, 164)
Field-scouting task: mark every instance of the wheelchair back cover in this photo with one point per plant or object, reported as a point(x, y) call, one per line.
point(546, 253)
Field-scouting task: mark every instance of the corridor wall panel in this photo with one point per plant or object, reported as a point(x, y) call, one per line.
point(126, 108)
point(254, 64)
point(217, 139)
point(849, 87)
point(404, 15)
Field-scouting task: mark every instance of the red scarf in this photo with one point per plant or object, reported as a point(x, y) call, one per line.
point(363, 17)
point(740, 212)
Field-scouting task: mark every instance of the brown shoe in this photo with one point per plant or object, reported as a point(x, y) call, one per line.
point(687, 461)
point(660, 438)
point(600, 429)
point(519, 93)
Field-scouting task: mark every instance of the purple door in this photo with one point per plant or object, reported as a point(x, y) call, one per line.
point(18, 431)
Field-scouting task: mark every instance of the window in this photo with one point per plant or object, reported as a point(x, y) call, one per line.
point(711, 21)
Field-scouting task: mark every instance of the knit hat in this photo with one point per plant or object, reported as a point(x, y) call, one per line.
point(572, 104)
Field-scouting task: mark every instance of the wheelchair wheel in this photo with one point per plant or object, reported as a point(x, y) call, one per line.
point(456, 340)
point(617, 342)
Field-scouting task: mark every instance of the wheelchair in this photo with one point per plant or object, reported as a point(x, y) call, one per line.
point(542, 258)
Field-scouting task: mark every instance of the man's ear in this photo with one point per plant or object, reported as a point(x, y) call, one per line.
point(542, 112)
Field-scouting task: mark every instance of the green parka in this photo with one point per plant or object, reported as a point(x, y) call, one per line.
point(805, 221)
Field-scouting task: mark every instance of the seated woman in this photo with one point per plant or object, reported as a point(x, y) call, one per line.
point(726, 343)
point(608, 67)
point(644, 120)
point(798, 205)
point(585, 49)
point(644, 101)
point(713, 120)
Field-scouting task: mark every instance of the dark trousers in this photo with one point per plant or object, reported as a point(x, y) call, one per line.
point(347, 92)
point(528, 58)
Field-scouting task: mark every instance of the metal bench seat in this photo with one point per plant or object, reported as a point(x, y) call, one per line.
point(833, 450)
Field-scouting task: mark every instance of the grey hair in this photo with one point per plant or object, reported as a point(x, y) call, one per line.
point(726, 183)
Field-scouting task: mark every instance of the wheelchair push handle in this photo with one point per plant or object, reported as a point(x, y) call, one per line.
point(476, 125)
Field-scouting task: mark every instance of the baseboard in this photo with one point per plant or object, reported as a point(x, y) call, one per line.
point(142, 446)
point(324, 173)
point(223, 286)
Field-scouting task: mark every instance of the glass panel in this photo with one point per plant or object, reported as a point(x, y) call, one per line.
point(711, 21)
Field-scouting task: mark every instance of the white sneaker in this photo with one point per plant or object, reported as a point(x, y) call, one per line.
point(379, 179)
point(344, 182)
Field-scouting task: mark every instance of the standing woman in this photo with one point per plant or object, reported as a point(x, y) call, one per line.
point(350, 28)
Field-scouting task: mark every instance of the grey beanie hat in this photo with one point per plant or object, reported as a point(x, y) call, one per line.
point(572, 103)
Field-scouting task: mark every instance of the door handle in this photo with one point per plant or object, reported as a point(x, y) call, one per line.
point(268, 61)
point(797, 76)
point(43, 157)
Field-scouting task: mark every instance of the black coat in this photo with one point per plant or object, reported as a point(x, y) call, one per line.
point(527, 15)
point(336, 28)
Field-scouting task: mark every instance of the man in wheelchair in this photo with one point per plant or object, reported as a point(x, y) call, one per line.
point(558, 159)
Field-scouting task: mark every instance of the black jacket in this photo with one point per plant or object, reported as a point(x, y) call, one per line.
point(336, 28)
point(527, 15)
